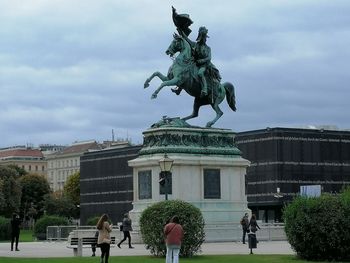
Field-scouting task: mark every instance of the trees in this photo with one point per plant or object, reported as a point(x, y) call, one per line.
point(72, 188)
point(34, 189)
point(59, 205)
point(10, 191)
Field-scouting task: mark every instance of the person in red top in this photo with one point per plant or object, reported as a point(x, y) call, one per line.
point(174, 233)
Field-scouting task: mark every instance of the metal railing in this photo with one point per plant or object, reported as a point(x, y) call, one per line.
point(60, 233)
point(268, 232)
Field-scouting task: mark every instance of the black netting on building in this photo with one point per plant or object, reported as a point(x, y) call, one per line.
point(106, 183)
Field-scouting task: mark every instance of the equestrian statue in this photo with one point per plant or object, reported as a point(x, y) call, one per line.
point(193, 71)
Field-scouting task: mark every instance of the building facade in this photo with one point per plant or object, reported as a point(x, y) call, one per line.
point(106, 182)
point(62, 164)
point(284, 159)
point(29, 159)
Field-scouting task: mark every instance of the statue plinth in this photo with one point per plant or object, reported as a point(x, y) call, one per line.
point(173, 135)
point(208, 171)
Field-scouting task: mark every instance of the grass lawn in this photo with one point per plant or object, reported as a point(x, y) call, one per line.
point(149, 259)
point(26, 236)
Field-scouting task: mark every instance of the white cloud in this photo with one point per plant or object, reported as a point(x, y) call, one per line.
point(72, 70)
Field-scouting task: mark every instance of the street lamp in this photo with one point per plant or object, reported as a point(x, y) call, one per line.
point(165, 165)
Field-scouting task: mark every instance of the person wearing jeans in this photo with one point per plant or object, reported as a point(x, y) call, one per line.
point(173, 233)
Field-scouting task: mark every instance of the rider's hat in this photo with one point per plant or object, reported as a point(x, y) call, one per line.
point(202, 33)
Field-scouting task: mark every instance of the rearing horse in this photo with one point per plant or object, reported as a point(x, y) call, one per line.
point(183, 74)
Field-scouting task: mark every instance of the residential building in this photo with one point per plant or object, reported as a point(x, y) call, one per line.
point(31, 160)
point(62, 164)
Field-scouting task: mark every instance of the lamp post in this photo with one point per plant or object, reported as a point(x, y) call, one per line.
point(165, 165)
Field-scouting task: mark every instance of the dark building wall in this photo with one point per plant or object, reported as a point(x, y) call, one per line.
point(288, 158)
point(106, 183)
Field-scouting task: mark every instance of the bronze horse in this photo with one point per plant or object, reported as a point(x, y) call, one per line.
point(183, 74)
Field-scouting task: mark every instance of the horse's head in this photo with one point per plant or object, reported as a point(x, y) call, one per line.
point(175, 46)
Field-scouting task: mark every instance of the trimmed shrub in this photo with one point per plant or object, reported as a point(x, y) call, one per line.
point(5, 228)
point(318, 228)
point(45, 221)
point(154, 218)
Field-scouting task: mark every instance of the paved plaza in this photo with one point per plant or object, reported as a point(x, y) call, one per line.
point(59, 249)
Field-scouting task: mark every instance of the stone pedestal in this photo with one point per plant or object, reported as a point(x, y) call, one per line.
point(208, 171)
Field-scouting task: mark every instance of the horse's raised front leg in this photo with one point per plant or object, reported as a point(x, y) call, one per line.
point(195, 111)
point(155, 74)
point(174, 81)
point(219, 113)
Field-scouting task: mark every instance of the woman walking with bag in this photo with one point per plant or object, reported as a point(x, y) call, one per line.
point(174, 233)
point(104, 238)
point(126, 228)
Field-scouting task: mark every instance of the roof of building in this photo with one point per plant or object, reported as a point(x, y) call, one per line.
point(21, 153)
point(310, 130)
point(81, 147)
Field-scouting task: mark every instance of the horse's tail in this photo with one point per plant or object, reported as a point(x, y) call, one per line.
point(230, 95)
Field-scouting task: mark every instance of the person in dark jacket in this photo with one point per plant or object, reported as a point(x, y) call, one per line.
point(15, 229)
point(173, 233)
point(93, 246)
point(126, 230)
point(244, 224)
point(253, 224)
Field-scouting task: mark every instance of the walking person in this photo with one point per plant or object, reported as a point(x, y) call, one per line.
point(126, 230)
point(173, 233)
point(252, 240)
point(244, 224)
point(104, 238)
point(15, 229)
point(94, 245)
point(253, 224)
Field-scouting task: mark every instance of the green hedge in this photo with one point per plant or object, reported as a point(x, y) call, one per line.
point(154, 218)
point(5, 228)
point(45, 221)
point(318, 228)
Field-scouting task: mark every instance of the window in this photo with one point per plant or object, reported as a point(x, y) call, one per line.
point(212, 189)
point(36, 168)
point(145, 184)
point(30, 168)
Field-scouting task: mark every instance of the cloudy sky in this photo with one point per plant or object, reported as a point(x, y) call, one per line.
point(73, 70)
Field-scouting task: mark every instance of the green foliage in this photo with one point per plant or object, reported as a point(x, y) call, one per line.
point(10, 196)
point(318, 228)
point(5, 228)
point(72, 188)
point(154, 218)
point(92, 221)
point(60, 205)
point(34, 189)
point(18, 169)
point(45, 221)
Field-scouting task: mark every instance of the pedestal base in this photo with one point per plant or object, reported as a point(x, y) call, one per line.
point(208, 172)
